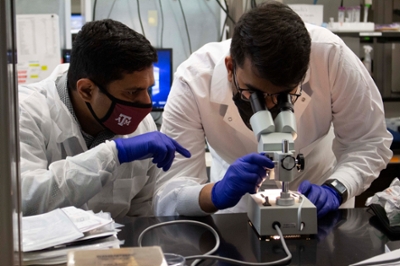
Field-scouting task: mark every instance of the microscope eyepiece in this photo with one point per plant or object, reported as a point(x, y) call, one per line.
point(257, 101)
point(285, 102)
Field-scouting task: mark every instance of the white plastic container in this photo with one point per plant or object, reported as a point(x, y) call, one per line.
point(367, 58)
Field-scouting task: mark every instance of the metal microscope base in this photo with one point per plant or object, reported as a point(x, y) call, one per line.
point(263, 218)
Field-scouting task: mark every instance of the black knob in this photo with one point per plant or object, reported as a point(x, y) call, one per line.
point(300, 162)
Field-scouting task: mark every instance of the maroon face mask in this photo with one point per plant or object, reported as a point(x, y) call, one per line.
point(123, 117)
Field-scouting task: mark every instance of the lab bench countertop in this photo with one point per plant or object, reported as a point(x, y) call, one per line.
point(344, 237)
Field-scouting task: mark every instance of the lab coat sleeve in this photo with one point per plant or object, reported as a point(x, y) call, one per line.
point(362, 142)
point(177, 190)
point(72, 181)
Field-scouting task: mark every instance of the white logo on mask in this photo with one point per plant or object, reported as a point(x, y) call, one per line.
point(123, 120)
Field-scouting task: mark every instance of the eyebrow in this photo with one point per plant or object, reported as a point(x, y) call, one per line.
point(139, 88)
point(252, 88)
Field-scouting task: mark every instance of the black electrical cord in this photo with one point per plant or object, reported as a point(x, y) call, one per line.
point(187, 31)
point(140, 18)
point(226, 12)
point(112, 6)
point(94, 10)
point(162, 23)
point(226, 19)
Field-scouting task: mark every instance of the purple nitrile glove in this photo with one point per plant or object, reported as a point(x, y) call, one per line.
point(245, 175)
point(325, 198)
point(153, 144)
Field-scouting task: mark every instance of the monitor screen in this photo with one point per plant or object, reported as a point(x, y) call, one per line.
point(162, 79)
point(77, 21)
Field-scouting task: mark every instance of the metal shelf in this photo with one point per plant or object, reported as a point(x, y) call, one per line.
point(373, 34)
point(384, 63)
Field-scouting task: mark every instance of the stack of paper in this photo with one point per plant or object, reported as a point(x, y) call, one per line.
point(47, 238)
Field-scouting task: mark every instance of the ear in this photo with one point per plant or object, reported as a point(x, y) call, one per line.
point(85, 88)
point(229, 67)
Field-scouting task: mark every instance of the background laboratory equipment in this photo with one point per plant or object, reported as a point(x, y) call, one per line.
point(341, 11)
point(367, 58)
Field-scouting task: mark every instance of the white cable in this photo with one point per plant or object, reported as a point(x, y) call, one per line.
point(299, 209)
point(208, 255)
point(217, 239)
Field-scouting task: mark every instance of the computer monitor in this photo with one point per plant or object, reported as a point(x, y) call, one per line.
point(162, 79)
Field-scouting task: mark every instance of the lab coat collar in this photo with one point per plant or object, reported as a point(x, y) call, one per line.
point(66, 126)
point(305, 97)
point(221, 93)
point(221, 88)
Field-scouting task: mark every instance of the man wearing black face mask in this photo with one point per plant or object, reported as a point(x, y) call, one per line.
point(339, 116)
point(86, 136)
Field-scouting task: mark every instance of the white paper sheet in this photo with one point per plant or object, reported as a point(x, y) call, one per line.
point(390, 258)
point(312, 14)
point(85, 221)
point(47, 230)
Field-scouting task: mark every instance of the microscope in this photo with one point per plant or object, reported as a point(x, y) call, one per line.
point(294, 213)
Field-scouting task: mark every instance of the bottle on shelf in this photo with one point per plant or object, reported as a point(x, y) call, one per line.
point(367, 58)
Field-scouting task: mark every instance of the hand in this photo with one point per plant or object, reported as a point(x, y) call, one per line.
point(323, 197)
point(245, 175)
point(153, 144)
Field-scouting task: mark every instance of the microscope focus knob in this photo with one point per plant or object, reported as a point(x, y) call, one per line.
point(300, 162)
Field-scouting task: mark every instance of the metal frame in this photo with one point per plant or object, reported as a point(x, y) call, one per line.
point(9, 145)
point(383, 52)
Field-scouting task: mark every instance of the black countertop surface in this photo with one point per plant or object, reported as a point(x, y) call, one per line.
point(344, 237)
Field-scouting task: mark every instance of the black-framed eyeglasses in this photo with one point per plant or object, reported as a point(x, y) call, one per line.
point(245, 93)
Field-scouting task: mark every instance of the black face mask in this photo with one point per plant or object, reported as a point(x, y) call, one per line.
point(246, 111)
point(244, 108)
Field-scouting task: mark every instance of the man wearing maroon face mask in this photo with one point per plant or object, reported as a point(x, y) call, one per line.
point(86, 136)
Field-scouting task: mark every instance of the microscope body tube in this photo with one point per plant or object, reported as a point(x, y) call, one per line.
point(270, 135)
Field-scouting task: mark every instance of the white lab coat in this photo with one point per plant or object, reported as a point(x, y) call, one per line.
point(337, 91)
point(58, 170)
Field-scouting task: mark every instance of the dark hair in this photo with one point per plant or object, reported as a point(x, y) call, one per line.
point(276, 41)
point(104, 50)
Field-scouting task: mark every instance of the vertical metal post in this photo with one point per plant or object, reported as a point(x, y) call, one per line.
point(86, 10)
point(9, 140)
point(383, 14)
point(67, 23)
point(236, 9)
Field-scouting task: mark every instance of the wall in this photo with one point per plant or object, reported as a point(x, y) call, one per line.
point(45, 7)
point(330, 6)
point(202, 16)
point(76, 6)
